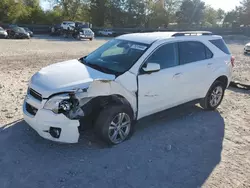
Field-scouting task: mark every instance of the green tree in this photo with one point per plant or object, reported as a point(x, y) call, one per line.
point(159, 16)
point(11, 11)
point(231, 17)
point(244, 12)
point(220, 14)
point(191, 12)
point(210, 16)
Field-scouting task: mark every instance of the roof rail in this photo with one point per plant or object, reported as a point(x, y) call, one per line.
point(191, 33)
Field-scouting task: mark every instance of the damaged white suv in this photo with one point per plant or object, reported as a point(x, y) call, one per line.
point(129, 77)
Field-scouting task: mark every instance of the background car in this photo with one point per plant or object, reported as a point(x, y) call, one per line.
point(55, 29)
point(68, 25)
point(85, 33)
point(18, 33)
point(247, 48)
point(3, 33)
point(106, 32)
point(29, 31)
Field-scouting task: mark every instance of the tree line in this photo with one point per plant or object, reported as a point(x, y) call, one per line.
point(124, 13)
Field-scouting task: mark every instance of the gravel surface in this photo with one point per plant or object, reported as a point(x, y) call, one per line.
point(181, 147)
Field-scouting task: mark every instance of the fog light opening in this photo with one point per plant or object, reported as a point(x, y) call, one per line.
point(55, 132)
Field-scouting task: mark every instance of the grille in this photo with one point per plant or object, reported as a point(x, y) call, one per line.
point(35, 94)
point(32, 110)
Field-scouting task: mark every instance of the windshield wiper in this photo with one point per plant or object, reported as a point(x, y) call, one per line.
point(98, 67)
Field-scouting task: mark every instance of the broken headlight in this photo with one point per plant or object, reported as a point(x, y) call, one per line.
point(59, 103)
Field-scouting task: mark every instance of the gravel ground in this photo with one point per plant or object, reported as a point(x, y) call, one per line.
point(181, 147)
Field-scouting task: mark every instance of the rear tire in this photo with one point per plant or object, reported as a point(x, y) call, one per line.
point(115, 124)
point(214, 96)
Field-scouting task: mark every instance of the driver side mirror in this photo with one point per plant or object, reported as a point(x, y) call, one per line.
point(151, 67)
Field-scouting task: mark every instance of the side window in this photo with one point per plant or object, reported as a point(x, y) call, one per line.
point(166, 56)
point(191, 51)
point(219, 43)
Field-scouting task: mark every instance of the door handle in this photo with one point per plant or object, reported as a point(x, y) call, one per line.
point(209, 64)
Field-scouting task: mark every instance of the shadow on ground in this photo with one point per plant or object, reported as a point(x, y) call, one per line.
point(176, 148)
point(239, 90)
point(70, 39)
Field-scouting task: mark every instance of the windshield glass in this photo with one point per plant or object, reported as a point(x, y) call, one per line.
point(19, 29)
point(1, 29)
point(116, 55)
point(86, 29)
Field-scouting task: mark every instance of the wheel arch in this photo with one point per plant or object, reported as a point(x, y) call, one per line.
point(93, 108)
point(224, 79)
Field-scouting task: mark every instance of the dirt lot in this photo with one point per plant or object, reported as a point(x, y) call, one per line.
point(182, 147)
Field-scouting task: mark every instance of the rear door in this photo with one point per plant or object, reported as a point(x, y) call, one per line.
point(195, 69)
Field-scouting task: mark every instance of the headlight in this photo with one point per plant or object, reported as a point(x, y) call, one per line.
point(58, 103)
point(66, 102)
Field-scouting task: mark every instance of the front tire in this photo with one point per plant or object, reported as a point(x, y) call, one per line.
point(115, 124)
point(214, 96)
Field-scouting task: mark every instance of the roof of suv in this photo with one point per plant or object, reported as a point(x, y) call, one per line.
point(149, 38)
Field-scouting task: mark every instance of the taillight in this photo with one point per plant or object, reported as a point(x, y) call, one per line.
point(232, 61)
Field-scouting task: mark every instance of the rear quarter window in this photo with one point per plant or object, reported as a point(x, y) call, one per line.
point(219, 43)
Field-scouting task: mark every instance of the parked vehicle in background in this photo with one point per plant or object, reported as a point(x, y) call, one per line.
point(84, 33)
point(68, 25)
point(126, 79)
point(56, 29)
point(3, 33)
point(247, 48)
point(18, 33)
point(29, 31)
point(106, 32)
point(12, 25)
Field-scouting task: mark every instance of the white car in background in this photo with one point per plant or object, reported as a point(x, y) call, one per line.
point(68, 25)
point(106, 32)
point(126, 79)
point(247, 48)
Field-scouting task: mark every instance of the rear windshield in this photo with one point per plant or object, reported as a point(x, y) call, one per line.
point(219, 43)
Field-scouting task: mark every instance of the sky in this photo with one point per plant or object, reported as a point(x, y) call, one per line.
point(226, 5)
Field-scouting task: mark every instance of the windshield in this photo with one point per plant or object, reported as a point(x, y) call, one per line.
point(116, 55)
point(19, 29)
point(1, 29)
point(26, 29)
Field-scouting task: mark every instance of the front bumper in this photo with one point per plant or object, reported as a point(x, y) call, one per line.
point(247, 49)
point(82, 36)
point(3, 35)
point(45, 123)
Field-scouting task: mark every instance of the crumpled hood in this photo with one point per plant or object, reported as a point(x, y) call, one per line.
point(65, 76)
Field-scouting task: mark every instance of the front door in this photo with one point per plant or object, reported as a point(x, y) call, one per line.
point(160, 90)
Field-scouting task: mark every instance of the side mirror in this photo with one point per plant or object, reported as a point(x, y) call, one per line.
point(152, 67)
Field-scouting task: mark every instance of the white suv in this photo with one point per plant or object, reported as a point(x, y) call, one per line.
point(68, 25)
point(126, 79)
